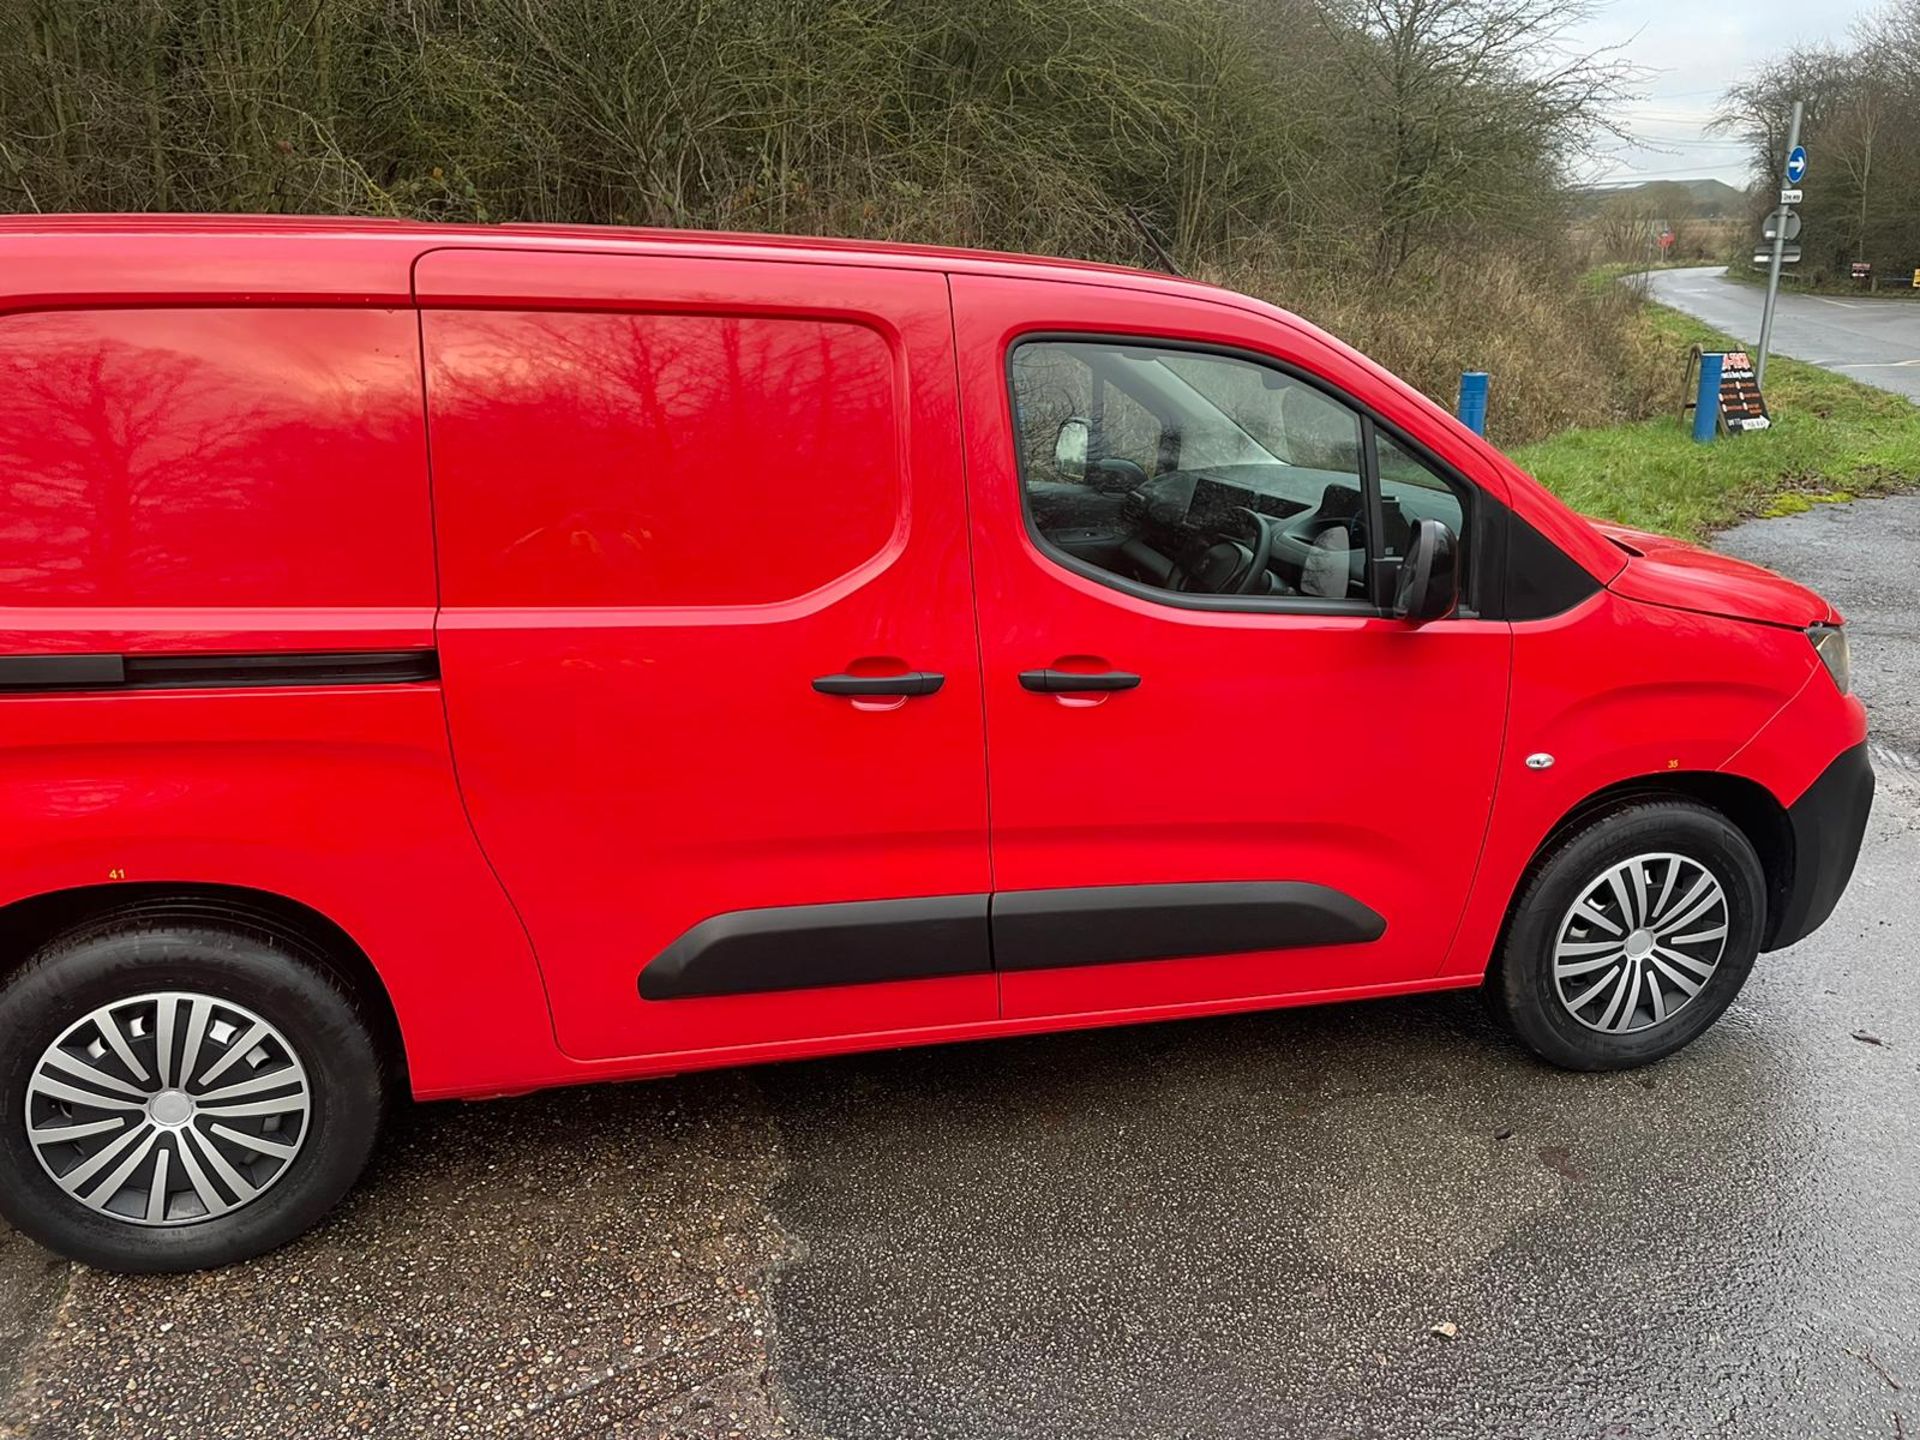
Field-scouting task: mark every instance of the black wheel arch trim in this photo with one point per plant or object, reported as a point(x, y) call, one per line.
point(793, 947)
point(1829, 822)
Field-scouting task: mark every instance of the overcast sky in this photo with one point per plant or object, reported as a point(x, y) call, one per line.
point(1693, 50)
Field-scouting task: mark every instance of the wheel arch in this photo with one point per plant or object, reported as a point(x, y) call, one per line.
point(1748, 805)
point(29, 923)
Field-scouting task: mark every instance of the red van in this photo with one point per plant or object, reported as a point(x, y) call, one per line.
point(452, 662)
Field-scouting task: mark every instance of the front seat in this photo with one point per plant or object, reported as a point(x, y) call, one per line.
point(1328, 565)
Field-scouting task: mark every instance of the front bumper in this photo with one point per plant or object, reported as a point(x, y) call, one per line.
point(1828, 823)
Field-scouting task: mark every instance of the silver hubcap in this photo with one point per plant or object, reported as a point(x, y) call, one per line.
point(1640, 943)
point(167, 1109)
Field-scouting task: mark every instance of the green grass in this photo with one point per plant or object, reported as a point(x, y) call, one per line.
point(1832, 439)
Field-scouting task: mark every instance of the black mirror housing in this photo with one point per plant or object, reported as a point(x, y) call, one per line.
point(1428, 587)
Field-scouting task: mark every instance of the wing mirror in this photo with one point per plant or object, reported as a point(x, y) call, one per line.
point(1428, 587)
point(1070, 449)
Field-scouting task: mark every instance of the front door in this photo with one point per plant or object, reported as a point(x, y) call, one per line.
point(1220, 772)
point(707, 640)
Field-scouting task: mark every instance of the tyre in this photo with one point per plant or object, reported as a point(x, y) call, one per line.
point(176, 1094)
point(1630, 936)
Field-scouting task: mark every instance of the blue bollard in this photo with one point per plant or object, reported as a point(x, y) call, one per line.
point(1472, 408)
point(1706, 402)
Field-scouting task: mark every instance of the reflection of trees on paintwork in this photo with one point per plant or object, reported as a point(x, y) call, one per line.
point(662, 459)
point(169, 457)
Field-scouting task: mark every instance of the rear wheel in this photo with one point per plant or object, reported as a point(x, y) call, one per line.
point(1631, 936)
point(175, 1096)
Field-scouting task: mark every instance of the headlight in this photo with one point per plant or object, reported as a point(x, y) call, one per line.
point(1830, 644)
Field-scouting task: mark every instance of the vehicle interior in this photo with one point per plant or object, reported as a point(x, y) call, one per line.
point(1206, 474)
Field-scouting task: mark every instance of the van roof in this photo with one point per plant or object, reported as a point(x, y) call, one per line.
point(301, 230)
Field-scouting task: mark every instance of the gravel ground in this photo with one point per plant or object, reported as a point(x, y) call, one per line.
point(588, 1262)
point(1244, 1227)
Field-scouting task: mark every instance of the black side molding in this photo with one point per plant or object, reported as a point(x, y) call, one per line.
point(800, 947)
point(804, 947)
point(62, 672)
point(44, 674)
point(1101, 925)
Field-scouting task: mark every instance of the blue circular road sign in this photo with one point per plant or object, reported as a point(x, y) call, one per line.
point(1796, 164)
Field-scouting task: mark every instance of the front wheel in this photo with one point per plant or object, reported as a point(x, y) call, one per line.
point(175, 1096)
point(1631, 936)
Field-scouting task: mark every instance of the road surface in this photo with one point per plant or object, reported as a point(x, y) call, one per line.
point(1241, 1227)
point(1872, 340)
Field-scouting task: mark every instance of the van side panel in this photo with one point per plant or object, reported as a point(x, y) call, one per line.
point(222, 486)
point(213, 460)
point(339, 797)
point(671, 498)
point(1616, 691)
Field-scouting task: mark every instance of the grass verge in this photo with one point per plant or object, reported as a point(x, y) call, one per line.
point(1832, 439)
point(1893, 287)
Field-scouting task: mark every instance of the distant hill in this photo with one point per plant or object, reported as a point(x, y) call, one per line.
point(1709, 199)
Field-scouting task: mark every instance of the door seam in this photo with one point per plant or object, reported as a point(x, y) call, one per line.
point(979, 640)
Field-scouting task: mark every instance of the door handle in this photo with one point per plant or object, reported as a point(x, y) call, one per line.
point(1068, 682)
point(914, 682)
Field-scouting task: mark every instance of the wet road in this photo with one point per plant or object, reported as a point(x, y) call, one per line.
point(1876, 341)
point(1221, 1228)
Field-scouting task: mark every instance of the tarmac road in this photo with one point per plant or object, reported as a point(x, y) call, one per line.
point(1219, 1228)
point(1876, 341)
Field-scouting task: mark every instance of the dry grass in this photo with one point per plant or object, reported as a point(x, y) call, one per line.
point(1559, 353)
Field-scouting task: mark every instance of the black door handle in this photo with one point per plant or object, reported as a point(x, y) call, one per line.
point(914, 682)
point(1066, 682)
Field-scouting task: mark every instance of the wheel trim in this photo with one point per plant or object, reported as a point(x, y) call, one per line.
point(168, 1109)
point(1640, 942)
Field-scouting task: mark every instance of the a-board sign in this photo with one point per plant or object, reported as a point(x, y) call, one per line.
point(1861, 270)
point(1742, 407)
point(1740, 404)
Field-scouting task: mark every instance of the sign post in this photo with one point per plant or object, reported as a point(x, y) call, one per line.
point(1796, 172)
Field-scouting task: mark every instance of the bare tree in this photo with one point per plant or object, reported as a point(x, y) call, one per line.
point(1469, 109)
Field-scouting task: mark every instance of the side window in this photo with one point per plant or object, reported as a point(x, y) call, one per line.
point(1253, 485)
point(1410, 491)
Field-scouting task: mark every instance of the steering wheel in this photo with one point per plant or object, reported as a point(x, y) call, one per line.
point(1229, 568)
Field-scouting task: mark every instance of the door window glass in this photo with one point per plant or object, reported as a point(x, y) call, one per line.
point(1410, 492)
point(1252, 485)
